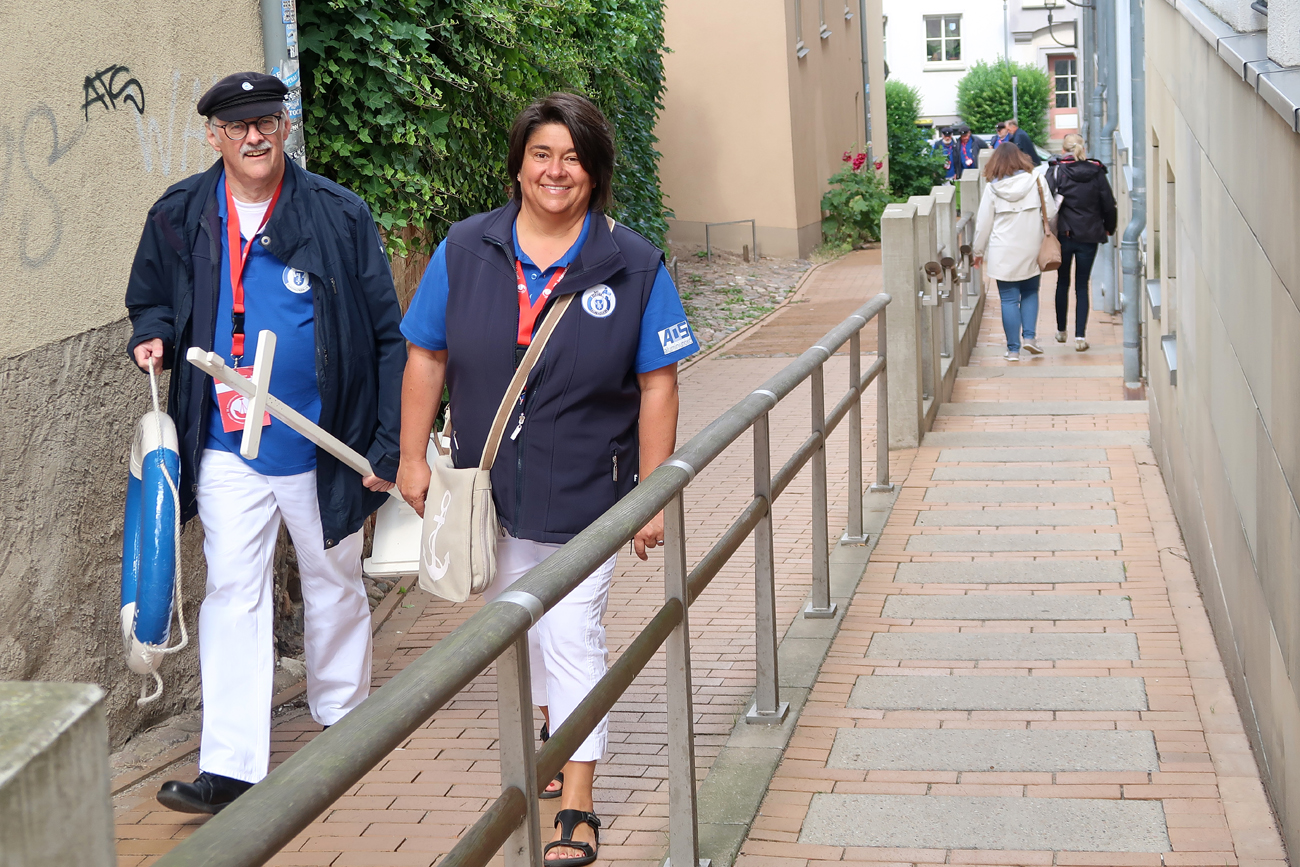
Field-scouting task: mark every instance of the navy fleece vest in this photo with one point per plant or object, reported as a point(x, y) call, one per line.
point(577, 452)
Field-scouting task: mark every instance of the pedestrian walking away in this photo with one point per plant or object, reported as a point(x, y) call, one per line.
point(257, 243)
point(1087, 218)
point(599, 410)
point(1021, 139)
point(1009, 233)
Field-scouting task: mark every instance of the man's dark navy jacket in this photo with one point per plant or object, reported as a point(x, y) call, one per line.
point(577, 451)
point(322, 229)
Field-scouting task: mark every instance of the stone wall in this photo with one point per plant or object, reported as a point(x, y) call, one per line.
point(1223, 173)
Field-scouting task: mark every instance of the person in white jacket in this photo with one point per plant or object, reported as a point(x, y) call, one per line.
point(1009, 232)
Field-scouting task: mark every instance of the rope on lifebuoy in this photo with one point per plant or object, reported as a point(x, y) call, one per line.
point(173, 484)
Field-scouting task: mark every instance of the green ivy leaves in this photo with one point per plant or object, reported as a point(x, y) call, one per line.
point(409, 102)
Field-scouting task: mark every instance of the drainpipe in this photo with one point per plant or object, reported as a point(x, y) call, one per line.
point(1108, 72)
point(280, 52)
point(1138, 197)
point(866, 80)
point(1086, 76)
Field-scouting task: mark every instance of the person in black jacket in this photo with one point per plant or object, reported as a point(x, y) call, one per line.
point(254, 243)
point(1086, 218)
point(1021, 139)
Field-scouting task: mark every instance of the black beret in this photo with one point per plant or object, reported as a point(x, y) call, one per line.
point(243, 95)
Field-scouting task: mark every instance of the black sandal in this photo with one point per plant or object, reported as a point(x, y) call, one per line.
point(567, 820)
point(549, 793)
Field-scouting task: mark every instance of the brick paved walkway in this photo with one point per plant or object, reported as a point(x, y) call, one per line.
point(412, 808)
point(1026, 675)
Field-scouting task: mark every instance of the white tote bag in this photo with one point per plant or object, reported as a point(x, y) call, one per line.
point(460, 531)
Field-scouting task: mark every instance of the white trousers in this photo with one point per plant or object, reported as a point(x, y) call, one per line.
point(566, 649)
point(241, 511)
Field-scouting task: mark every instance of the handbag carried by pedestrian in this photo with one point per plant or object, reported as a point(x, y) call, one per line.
point(459, 536)
point(1049, 252)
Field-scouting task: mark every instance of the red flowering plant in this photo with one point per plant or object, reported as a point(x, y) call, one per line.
point(851, 208)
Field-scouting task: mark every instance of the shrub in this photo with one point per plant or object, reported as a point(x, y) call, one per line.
point(984, 97)
point(851, 208)
point(914, 167)
point(409, 102)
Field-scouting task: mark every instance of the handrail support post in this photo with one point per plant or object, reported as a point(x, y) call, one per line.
point(853, 534)
point(882, 485)
point(683, 830)
point(518, 759)
point(820, 606)
point(768, 708)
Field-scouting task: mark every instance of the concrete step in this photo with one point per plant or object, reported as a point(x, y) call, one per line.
point(1003, 542)
point(1009, 645)
point(1021, 454)
point(1021, 474)
point(1074, 606)
point(1017, 494)
point(1076, 371)
point(996, 750)
point(998, 692)
point(1046, 571)
point(1007, 824)
point(1017, 518)
point(1044, 407)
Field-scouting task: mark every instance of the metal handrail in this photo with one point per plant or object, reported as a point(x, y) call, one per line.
point(254, 828)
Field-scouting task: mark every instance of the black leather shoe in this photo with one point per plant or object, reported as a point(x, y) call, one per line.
point(210, 793)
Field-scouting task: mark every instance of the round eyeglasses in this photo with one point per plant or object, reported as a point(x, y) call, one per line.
point(237, 130)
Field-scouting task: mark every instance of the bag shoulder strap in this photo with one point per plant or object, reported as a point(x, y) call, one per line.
point(516, 386)
point(1042, 208)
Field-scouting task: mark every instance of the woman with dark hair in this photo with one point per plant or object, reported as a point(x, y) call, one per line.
point(599, 410)
point(1088, 217)
point(1009, 231)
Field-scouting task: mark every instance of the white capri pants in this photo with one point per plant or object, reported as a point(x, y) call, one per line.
point(566, 649)
point(241, 510)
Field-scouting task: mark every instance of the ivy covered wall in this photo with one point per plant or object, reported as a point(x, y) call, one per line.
point(409, 102)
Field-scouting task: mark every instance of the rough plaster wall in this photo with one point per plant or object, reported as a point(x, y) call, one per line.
point(97, 119)
point(65, 467)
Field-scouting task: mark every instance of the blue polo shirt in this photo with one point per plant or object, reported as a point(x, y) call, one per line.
point(279, 299)
point(666, 337)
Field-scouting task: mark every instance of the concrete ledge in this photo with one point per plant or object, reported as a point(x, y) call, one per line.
point(1047, 571)
point(1045, 407)
point(1038, 438)
point(1026, 494)
point(1032, 517)
point(1013, 542)
point(998, 692)
point(1003, 646)
point(997, 750)
point(1021, 474)
point(1074, 606)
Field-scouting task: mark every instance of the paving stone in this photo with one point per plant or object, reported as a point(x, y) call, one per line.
point(1024, 494)
point(1075, 606)
point(1047, 438)
point(998, 750)
point(970, 692)
point(1017, 518)
point(1016, 542)
point(951, 822)
point(1050, 571)
point(1021, 474)
point(1045, 407)
point(1079, 371)
point(1009, 645)
point(997, 455)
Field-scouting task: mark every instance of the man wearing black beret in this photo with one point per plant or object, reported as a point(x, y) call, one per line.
point(256, 243)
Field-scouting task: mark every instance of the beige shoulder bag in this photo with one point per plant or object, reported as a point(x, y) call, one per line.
point(1049, 252)
point(459, 535)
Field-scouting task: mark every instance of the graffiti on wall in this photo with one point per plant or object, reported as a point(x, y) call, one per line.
point(34, 151)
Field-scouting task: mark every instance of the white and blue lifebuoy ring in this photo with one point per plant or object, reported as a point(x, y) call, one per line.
point(150, 556)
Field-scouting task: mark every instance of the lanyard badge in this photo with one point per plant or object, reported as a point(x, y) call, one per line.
point(528, 310)
point(234, 242)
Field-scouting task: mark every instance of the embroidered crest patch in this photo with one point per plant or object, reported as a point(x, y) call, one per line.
point(599, 301)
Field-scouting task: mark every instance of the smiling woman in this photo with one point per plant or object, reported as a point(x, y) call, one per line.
point(599, 411)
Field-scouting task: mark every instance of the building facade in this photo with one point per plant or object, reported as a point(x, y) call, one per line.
point(763, 99)
point(930, 44)
point(1222, 341)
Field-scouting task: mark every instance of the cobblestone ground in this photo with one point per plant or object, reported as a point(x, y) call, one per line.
point(412, 808)
point(1026, 675)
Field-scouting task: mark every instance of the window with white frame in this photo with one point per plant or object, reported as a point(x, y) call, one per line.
point(1066, 82)
point(942, 38)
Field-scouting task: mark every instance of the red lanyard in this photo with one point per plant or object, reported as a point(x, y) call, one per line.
point(528, 311)
point(233, 241)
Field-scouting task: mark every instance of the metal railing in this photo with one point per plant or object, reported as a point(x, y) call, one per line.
point(255, 827)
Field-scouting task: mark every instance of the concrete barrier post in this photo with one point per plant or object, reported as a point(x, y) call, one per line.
point(945, 212)
point(54, 803)
point(926, 232)
point(971, 188)
point(901, 280)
